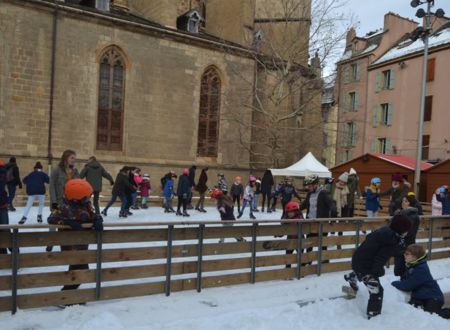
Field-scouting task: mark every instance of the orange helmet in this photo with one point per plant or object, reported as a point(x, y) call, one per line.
point(77, 189)
point(238, 178)
point(291, 206)
point(216, 193)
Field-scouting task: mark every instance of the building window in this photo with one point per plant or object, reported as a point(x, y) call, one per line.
point(353, 102)
point(425, 147)
point(208, 122)
point(385, 80)
point(430, 69)
point(111, 93)
point(382, 145)
point(386, 114)
point(428, 108)
point(355, 70)
point(349, 135)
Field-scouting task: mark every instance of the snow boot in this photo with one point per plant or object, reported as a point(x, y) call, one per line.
point(352, 280)
point(202, 210)
point(104, 212)
point(123, 214)
point(11, 208)
point(185, 214)
point(39, 218)
point(127, 212)
point(252, 216)
point(22, 221)
point(269, 211)
point(239, 215)
point(179, 213)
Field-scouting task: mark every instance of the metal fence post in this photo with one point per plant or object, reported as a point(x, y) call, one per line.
point(253, 271)
point(299, 248)
point(98, 269)
point(201, 229)
point(14, 267)
point(319, 253)
point(169, 259)
point(430, 239)
point(358, 230)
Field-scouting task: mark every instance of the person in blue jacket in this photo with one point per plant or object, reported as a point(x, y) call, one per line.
point(373, 198)
point(183, 190)
point(425, 291)
point(35, 182)
point(444, 198)
point(168, 192)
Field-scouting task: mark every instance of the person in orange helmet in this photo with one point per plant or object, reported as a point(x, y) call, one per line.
point(76, 211)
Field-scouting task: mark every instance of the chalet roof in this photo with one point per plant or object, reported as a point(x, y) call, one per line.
point(404, 161)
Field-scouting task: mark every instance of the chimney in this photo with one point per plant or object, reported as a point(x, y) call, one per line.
point(122, 4)
point(351, 34)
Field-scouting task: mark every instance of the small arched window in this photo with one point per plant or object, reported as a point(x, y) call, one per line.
point(111, 93)
point(208, 122)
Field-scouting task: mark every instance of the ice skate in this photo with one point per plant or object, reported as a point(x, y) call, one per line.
point(22, 221)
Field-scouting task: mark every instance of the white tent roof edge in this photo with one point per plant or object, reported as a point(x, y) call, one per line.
point(305, 166)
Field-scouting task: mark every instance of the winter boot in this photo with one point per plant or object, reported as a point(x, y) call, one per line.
point(269, 211)
point(352, 280)
point(11, 208)
point(239, 215)
point(49, 248)
point(22, 221)
point(123, 214)
point(202, 210)
point(127, 212)
point(197, 209)
point(179, 213)
point(252, 216)
point(104, 212)
point(39, 218)
point(185, 214)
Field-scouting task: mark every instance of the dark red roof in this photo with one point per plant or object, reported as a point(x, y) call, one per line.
point(404, 161)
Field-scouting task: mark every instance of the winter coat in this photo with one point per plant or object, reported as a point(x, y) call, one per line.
point(436, 206)
point(372, 200)
point(137, 180)
point(419, 281)
point(445, 200)
point(395, 197)
point(3, 193)
point(353, 189)
point(371, 256)
point(413, 214)
point(326, 207)
point(58, 179)
point(249, 193)
point(184, 186)
point(237, 189)
point(94, 172)
point(145, 188)
point(35, 182)
point(225, 208)
point(286, 191)
point(267, 182)
point(15, 174)
point(222, 184)
point(298, 216)
point(122, 185)
point(201, 185)
point(192, 175)
point(168, 188)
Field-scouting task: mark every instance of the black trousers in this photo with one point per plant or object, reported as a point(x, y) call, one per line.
point(96, 198)
point(237, 199)
point(431, 306)
point(264, 197)
point(182, 201)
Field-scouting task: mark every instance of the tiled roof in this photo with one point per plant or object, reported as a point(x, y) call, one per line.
point(404, 161)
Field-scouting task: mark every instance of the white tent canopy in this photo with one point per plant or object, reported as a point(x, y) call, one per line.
point(305, 166)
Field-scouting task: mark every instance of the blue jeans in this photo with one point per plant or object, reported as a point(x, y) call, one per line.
point(111, 202)
point(11, 193)
point(255, 202)
point(31, 199)
point(244, 204)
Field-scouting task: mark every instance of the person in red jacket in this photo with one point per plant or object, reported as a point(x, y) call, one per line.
point(292, 211)
point(145, 190)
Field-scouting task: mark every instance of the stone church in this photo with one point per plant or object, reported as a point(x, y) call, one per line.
point(159, 84)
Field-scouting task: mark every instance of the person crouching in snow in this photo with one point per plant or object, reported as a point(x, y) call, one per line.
point(75, 212)
point(370, 257)
point(225, 207)
point(292, 211)
point(248, 197)
point(425, 291)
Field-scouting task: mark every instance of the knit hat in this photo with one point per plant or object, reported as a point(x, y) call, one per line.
point(343, 177)
point(352, 171)
point(397, 177)
point(146, 176)
point(400, 223)
point(77, 189)
point(38, 165)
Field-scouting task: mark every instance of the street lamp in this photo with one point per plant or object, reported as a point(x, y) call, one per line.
point(424, 33)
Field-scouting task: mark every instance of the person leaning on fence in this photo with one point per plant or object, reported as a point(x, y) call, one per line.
point(353, 192)
point(399, 188)
point(292, 211)
point(370, 257)
point(225, 207)
point(76, 212)
point(425, 291)
point(372, 194)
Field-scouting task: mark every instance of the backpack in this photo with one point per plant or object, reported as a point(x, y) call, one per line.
point(10, 174)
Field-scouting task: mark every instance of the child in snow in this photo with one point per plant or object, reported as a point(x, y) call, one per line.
point(248, 197)
point(425, 291)
point(225, 207)
point(237, 191)
point(373, 198)
point(292, 211)
point(75, 211)
point(168, 192)
point(145, 189)
point(370, 257)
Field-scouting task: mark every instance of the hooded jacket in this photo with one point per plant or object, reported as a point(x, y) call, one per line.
point(267, 182)
point(94, 172)
point(201, 185)
point(35, 182)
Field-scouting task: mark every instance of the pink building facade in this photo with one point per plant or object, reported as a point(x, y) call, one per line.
point(379, 113)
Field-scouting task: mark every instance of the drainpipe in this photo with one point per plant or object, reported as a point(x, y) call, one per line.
point(366, 112)
point(52, 86)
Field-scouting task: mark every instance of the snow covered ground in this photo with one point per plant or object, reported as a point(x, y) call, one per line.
point(268, 305)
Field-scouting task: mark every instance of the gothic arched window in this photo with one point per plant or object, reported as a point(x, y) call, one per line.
point(208, 122)
point(111, 92)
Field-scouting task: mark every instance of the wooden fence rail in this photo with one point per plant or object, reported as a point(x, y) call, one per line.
point(139, 259)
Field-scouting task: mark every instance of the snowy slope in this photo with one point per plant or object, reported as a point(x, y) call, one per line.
point(268, 305)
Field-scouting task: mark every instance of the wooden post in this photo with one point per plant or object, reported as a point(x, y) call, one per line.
point(201, 229)
point(14, 267)
point(169, 259)
point(98, 269)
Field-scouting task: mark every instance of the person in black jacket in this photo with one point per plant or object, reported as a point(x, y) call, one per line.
point(4, 219)
point(192, 170)
point(201, 187)
point(370, 257)
point(35, 182)
point(12, 181)
point(286, 191)
point(267, 183)
point(184, 186)
point(120, 189)
point(237, 192)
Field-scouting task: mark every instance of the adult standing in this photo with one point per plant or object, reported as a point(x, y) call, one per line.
point(267, 183)
point(65, 171)
point(202, 188)
point(4, 219)
point(339, 193)
point(184, 186)
point(353, 191)
point(373, 198)
point(35, 182)
point(287, 190)
point(12, 181)
point(93, 171)
point(192, 170)
point(222, 183)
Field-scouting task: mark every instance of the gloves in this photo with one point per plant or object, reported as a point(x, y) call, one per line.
point(371, 283)
point(54, 206)
point(75, 225)
point(98, 222)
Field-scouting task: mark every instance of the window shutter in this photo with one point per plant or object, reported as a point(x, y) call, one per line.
point(373, 145)
point(431, 65)
point(349, 155)
point(358, 72)
point(378, 81)
point(389, 116)
point(346, 74)
point(342, 156)
point(388, 147)
point(356, 101)
point(392, 79)
point(375, 116)
point(353, 134)
point(346, 102)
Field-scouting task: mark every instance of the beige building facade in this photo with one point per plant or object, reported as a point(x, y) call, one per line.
point(126, 84)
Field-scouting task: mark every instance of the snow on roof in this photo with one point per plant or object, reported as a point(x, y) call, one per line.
point(369, 49)
point(402, 49)
point(347, 55)
point(404, 161)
